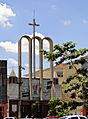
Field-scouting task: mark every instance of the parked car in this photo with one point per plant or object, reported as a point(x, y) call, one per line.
point(73, 117)
point(9, 118)
point(52, 117)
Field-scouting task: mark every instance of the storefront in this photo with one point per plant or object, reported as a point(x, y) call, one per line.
point(3, 110)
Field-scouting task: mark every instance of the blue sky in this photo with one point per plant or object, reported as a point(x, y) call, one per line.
point(61, 20)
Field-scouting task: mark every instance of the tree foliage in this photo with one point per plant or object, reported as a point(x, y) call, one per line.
point(57, 107)
point(76, 84)
point(65, 52)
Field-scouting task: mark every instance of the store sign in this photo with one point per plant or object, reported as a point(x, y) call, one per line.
point(14, 108)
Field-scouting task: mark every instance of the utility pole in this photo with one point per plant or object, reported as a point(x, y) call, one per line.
point(34, 24)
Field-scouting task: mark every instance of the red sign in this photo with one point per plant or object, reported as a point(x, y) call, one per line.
point(84, 111)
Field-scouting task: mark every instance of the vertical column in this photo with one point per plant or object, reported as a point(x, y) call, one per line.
point(30, 67)
point(51, 67)
point(34, 47)
point(41, 68)
point(51, 62)
point(19, 76)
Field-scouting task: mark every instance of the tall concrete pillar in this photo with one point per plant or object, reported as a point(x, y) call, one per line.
point(40, 66)
point(51, 62)
point(30, 61)
point(19, 76)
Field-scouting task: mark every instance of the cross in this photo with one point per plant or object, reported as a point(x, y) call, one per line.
point(34, 24)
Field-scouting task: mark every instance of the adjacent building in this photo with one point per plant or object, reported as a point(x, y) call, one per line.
point(9, 88)
point(3, 88)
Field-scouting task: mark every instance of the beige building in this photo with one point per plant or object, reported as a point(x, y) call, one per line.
point(61, 72)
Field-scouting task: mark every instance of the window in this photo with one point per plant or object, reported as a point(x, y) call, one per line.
point(10, 80)
point(60, 74)
point(13, 80)
point(55, 81)
point(82, 118)
point(73, 118)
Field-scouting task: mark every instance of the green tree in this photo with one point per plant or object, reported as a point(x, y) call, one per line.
point(57, 107)
point(77, 83)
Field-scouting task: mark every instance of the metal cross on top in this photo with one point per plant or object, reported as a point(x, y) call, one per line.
point(34, 24)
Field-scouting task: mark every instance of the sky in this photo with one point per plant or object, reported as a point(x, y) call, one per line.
point(61, 20)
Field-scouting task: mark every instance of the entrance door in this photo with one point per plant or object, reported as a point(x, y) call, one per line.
point(1, 112)
point(25, 111)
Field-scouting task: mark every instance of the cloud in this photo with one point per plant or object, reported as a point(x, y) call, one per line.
point(26, 65)
point(5, 13)
point(9, 46)
point(13, 47)
point(12, 62)
point(67, 22)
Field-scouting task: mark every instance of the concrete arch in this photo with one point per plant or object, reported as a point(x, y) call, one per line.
point(41, 63)
point(51, 49)
point(41, 66)
point(30, 62)
point(51, 62)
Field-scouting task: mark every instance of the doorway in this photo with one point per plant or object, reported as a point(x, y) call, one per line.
point(1, 112)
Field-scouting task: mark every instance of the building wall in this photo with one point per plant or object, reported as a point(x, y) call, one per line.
point(56, 89)
point(35, 89)
point(3, 81)
point(13, 91)
point(66, 73)
point(3, 87)
point(61, 72)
